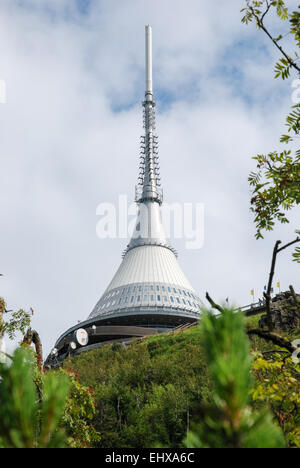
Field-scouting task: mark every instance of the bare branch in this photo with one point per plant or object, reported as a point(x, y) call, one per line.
point(268, 293)
point(267, 10)
point(273, 351)
point(274, 338)
point(297, 303)
point(32, 336)
point(213, 304)
point(289, 244)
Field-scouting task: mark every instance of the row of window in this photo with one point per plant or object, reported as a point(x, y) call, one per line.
point(157, 288)
point(148, 298)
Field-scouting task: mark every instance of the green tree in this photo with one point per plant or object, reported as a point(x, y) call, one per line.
point(79, 412)
point(51, 410)
point(147, 393)
point(28, 418)
point(229, 421)
point(276, 181)
point(33, 414)
point(12, 322)
point(277, 384)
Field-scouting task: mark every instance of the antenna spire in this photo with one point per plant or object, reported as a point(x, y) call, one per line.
point(148, 188)
point(148, 44)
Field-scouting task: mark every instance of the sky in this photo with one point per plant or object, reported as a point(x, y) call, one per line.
point(69, 140)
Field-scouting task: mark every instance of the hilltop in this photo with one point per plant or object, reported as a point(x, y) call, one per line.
point(153, 391)
point(149, 391)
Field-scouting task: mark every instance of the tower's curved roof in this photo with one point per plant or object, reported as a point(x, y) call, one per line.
point(149, 276)
point(149, 264)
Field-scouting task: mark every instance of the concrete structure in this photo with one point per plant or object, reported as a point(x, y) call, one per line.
point(149, 293)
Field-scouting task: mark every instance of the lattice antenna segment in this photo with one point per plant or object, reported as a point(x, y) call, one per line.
point(149, 174)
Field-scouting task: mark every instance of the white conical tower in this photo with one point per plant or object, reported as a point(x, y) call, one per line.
point(149, 280)
point(149, 293)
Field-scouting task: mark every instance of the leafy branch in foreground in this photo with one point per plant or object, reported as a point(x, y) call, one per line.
point(230, 422)
point(26, 420)
point(276, 183)
point(79, 413)
point(51, 410)
point(277, 383)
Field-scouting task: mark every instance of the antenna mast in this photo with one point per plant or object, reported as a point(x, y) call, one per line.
point(148, 188)
point(148, 44)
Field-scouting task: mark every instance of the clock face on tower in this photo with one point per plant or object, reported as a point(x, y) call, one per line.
point(82, 337)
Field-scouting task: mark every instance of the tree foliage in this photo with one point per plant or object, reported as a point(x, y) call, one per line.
point(79, 412)
point(201, 381)
point(51, 410)
point(153, 392)
point(28, 418)
point(146, 393)
point(277, 383)
point(230, 422)
point(13, 322)
point(276, 182)
point(257, 11)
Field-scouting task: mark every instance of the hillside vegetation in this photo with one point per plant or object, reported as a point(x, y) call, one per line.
point(147, 393)
point(152, 392)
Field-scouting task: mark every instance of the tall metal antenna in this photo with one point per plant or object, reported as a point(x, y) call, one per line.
point(148, 188)
point(148, 53)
